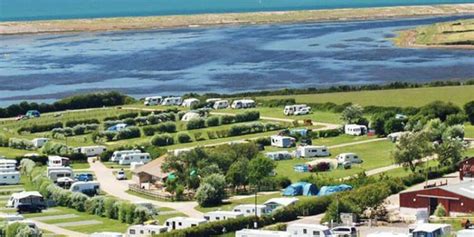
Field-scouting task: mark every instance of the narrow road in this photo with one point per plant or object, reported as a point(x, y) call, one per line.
point(116, 188)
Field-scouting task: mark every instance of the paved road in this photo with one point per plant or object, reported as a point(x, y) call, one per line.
point(116, 188)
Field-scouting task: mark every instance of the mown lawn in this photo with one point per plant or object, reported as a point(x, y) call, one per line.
point(469, 130)
point(416, 97)
point(12, 153)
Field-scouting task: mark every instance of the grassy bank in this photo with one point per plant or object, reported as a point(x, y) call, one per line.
point(128, 23)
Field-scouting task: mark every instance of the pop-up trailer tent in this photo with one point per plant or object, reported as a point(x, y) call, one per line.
point(301, 188)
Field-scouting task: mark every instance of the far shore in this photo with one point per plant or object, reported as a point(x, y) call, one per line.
point(202, 20)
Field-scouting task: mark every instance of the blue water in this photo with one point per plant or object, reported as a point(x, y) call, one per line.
point(17, 10)
point(221, 59)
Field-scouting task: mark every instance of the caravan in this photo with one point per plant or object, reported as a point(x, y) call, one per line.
point(190, 102)
point(249, 209)
point(57, 161)
point(7, 164)
point(90, 151)
point(117, 155)
point(135, 157)
point(312, 151)
point(172, 101)
point(145, 230)
point(8, 172)
point(282, 141)
point(355, 130)
point(39, 142)
point(54, 173)
point(243, 104)
point(348, 158)
point(180, 222)
point(153, 100)
point(294, 109)
point(90, 188)
point(221, 104)
point(222, 215)
point(26, 201)
point(308, 230)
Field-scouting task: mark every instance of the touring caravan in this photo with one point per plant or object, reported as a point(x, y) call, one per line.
point(180, 222)
point(292, 109)
point(153, 100)
point(190, 102)
point(57, 161)
point(243, 104)
point(312, 151)
point(117, 155)
point(39, 142)
point(7, 165)
point(249, 209)
point(107, 234)
point(222, 215)
point(308, 230)
point(172, 101)
point(261, 233)
point(31, 201)
point(8, 173)
point(212, 100)
point(145, 230)
point(90, 151)
point(117, 127)
point(351, 158)
point(221, 104)
point(282, 141)
point(355, 130)
point(58, 172)
point(90, 188)
point(135, 157)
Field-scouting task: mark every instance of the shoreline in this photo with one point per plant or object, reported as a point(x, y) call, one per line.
point(205, 20)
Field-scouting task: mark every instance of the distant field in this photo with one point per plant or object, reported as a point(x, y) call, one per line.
point(415, 97)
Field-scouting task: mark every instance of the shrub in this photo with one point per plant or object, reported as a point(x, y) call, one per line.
point(162, 140)
point(247, 116)
point(167, 127)
point(18, 143)
point(264, 141)
point(455, 119)
point(35, 128)
point(72, 123)
point(226, 119)
point(128, 115)
point(195, 124)
point(330, 133)
point(127, 133)
point(323, 166)
point(53, 148)
point(183, 137)
point(212, 121)
point(149, 131)
point(469, 110)
point(440, 211)
point(283, 181)
point(3, 140)
point(211, 191)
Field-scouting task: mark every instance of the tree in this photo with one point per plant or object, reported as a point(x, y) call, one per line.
point(450, 151)
point(439, 109)
point(412, 148)
point(394, 125)
point(352, 113)
point(237, 175)
point(212, 190)
point(435, 129)
point(378, 122)
point(456, 131)
point(338, 206)
point(260, 168)
point(469, 110)
point(440, 211)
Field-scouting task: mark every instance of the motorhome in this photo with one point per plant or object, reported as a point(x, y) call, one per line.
point(172, 101)
point(351, 158)
point(282, 141)
point(145, 230)
point(9, 177)
point(190, 102)
point(249, 209)
point(243, 104)
point(176, 223)
point(31, 201)
point(90, 151)
point(39, 142)
point(222, 215)
point(117, 155)
point(90, 188)
point(279, 155)
point(355, 130)
point(312, 151)
point(135, 157)
point(308, 230)
point(57, 161)
point(58, 172)
point(261, 233)
point(153, 100)
point(291, 109)
point(221, 104)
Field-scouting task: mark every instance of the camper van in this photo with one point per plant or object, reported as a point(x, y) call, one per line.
point(190, 102)
point(145, 230)
point(153, 100)
point(221, 104)
point(172, 101)
point(249, 209)
point(39, 142)
point(292, 109)
point(351, 158)
point(26, 201)
point(243, 104)
point(90, 151)
point(282, 141)
point(355, 130)
point(57, 161)
point(58, 172)
point(117, 155)
point(90, 188)
point(135, 157)
point(180, 222)
point(312, 151)
point(308, 230)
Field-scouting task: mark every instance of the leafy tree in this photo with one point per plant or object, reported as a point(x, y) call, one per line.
point(439, 109)
point(212, 190)
point(260, 168)
point(394, 125)
point(237, 175)
point(450, 151)
point(378, 122)
point(469, 110)
point(440, 211)
point(411, 148)
point(435, 129)
point(352, 114)
point(455, 119)
point(456, 131)
point(338, 206)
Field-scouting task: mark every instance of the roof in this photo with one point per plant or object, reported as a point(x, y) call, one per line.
point(284, 201)
point(428, 227)
point(266, 232)
point(7, 161)
point(26, 194)
point(152, 168)
point(465, 189)
point(250, 205)
point(386, 234)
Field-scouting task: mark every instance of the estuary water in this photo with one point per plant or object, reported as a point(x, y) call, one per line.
point(45, 67)
point(19, 10)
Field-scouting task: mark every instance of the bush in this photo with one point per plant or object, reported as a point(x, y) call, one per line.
point(183, 137)
point(149, 131)
point(226, 119)
point(167, 127)
point(128, 115)
point(322, 166)
point(127, 133)
point(283, 181)
point(195, 124)
point(35, 128)
point(455, 119)
point(211, 191)
point(22, 144)
point(469, 110)
point(53, 148)
point(3, 140)
point(73, 123)
point(440, 211)
point(162, 140)
point(330, 133)
point(247, 116)
point(212, 121)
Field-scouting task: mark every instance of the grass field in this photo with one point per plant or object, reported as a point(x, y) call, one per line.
point(469, 130)
point(415, 97)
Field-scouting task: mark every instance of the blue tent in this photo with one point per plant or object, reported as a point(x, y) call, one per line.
point(301, 188)
point(310, 190)
point(328, 190)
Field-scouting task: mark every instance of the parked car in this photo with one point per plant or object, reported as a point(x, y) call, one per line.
point(84, 177)
point(344, 231)
point(121, 175)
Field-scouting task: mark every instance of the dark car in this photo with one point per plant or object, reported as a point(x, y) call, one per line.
point(30, 208)
point(84, 177)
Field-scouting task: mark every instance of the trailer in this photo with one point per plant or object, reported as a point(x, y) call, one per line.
point(261, 233)
point(31, 201)
point(243, 104)
point(90, 188)
point(279, 155)
point(7, 165)
point(170, 101)
point(312, 151)
point(135, 157)
point(176, 223)
point(153, 100)
point(145, 230)
point(221, 104)
point(39, 142)
point(292, 109)
point(308, 230)
point(54, 173)
point(90, 151)
point(57, 161)
point(9, 177)
point(249, 209)
point(222, 215)
point(282, 141)
point(355, 129)
point(190, 102)
point(117, 155)
point(351, 158)
point(117, 127)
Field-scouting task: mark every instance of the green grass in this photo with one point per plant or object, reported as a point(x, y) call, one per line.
point(12, 153)
point(416, 97)
point(403, 172)
point(80, 165)
point(469, 130)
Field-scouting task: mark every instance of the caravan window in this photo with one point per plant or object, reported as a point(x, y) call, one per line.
point(323, 150)
point(141, 232)
point(132, 231)
point(315, 233)
point(305, 231)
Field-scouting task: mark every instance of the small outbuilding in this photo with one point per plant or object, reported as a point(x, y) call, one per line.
point(150, 174)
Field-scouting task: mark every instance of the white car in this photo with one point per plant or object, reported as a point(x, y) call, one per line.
point(303, 111)
point(121, 175)
point(346, 231)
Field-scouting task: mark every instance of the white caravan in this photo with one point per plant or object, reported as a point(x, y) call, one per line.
point(145, 230)
point(57, 161)
point(9, 177)
point(59, 172)
point(180, 222)
point(89, 187)
point(312, 151)
point(308, 230)
point(282, 141)
point(135, 157)
point(261, 233)
point(222, 215)
point(190, 116)
point(429, 229)
point(351, 158)
point(243, 104)
point(212, 100)
point(355, 130)
point(190, 102)
point(153, 100)
point(117, 155)
point(221, 104)
point(39, 142)
point(90, 151)
point(7, 165)
point(292, 109)
point(249, 209)
point(172, 101)
point(279, 155)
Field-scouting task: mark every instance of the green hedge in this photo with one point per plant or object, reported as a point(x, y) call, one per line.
point(72, 123)
point(35, 128)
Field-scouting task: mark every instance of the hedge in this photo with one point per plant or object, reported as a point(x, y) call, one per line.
point(22, 144)
point(73, 123)
point(35, 128)
point(162, 140)
point(183, 137)
point(247, 116)
point(196, 123)
point(212, 121)
point(128, 115)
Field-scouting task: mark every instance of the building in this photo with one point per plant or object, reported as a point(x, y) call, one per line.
point(456, 199)
point(180, 222)
point(222, 215)
point(466, 168)
point(150, 174)
point(275, 203)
